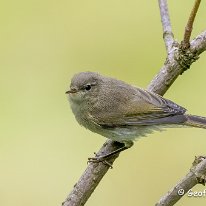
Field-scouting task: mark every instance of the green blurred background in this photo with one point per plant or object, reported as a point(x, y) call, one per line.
point(43, 151)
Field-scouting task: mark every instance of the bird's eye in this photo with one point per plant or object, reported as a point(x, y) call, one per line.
point(88, 87)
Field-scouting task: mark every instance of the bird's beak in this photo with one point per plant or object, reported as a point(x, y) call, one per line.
point(72, 91)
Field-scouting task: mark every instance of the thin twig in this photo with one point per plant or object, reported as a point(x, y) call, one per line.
point(166, 25)
point(196, 175)
point(189, 26)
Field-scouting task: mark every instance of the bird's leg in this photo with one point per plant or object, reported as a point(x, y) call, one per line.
point(103, 158)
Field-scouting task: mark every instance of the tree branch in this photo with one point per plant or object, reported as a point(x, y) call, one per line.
point(189, 26)
point(198, 45)
point(176, 63)
point(91, 177)
point(166, 25)
point(196, 175)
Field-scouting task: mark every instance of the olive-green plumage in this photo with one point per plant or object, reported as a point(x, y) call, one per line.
point(122, 112)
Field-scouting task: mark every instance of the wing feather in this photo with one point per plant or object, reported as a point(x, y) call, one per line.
point(142, 108)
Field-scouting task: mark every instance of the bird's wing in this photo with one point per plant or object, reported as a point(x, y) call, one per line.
point(146, 108)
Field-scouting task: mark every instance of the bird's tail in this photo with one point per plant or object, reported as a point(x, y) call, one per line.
point(195, 121)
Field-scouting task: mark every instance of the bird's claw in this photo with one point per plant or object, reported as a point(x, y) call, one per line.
point(99, 159)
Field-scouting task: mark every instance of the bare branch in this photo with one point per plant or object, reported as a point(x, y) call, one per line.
point(198, 45)
point(189, 26)
point(176, 64)
point(196, 175)
point(167, 29)
point(167, 74)
point(91, 177)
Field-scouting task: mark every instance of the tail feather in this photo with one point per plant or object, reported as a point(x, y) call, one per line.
point(195, 121)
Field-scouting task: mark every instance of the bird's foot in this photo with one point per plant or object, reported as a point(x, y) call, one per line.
point(102, 159)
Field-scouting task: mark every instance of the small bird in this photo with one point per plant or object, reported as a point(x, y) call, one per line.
point(122, 112)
